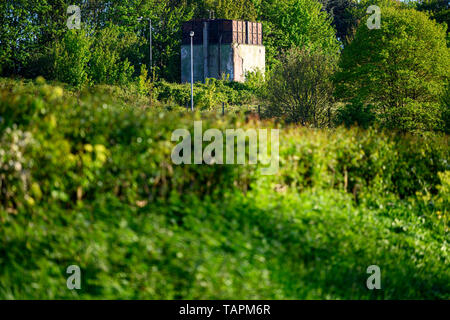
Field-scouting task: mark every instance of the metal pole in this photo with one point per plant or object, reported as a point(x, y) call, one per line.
point(192, 70)
point(223, 108)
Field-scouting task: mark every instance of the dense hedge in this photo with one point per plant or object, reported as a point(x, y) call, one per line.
point(207, 95)
point(86, 179)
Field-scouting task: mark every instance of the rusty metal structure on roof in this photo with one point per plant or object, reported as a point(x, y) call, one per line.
point(224, 31)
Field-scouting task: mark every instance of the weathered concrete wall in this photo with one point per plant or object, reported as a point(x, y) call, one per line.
point(222, 48)
point(222, 66)
point(248, 58)
point(225, 62)
point(186, 63)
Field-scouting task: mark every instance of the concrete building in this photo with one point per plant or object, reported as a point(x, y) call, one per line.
point(226, 48)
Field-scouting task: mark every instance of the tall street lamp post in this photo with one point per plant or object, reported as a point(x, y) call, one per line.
point(192, 70)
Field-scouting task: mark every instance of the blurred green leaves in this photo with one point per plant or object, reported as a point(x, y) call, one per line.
point(87, 179)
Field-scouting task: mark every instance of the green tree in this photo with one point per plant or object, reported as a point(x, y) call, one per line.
point(27, 28)
point(445, 102)
point(167, 39)
point(228, 9)
point(295, 23)
point(401, 68)
point(108, 63)
point(299, 87)
point(71, 57)
point(439, 10)
point(341, 13)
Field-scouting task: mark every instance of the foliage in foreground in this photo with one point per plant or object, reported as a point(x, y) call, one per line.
point(87, 181)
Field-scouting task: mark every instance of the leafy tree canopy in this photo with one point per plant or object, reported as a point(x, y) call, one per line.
point(405, 61)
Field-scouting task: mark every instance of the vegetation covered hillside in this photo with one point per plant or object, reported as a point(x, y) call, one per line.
point(356, 208)
point(86, 179)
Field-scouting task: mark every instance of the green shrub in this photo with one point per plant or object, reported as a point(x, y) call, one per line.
point(355, 113)
point(206, 95)
point(81, 58)
point(415, 117)
point(299, 88)
point(108, 63)
point(71, 58)
point(86, 179)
